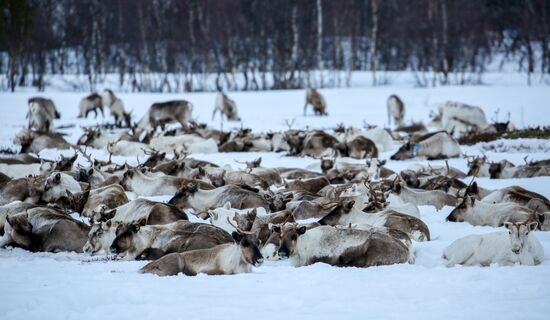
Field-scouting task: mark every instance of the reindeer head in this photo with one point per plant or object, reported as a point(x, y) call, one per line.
point(127, 243)
point(519, 233)
point(250, 253)
point(65, 164)
point(289, 240)
point(181, 198)
point(101, 236)
point(89, 136)
point(407, 151)
point(19, 230)
point(342, 208)
point(463, 209)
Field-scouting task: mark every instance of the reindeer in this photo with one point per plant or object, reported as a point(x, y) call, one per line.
point(435, 145)
point(341, 247)
point(317, 101)
point(181, 236)
point(108, 197)
point(90, 103)
point(190, 196)
point(459, 118)
point(518, 245)
point(359, 148)
point(46, 104)
point(396, 110)
point(479, 213)
point(40, 118)
point(159, 184)
point(344, 214)
point(99, 139)
point(56, 186)
point(28, 189)
point(42, 229)
point(34, 142)
point(228, 258)
point(100, 237)
point(436, 198)
point(226, 107)
point(117, 108)
point(163, 113)
point(244, 218)
point(150, 212)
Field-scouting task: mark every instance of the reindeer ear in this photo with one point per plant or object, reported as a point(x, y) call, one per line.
point(252, 214)
point(227, 206)
point(533, 226)
point(348, 206)
point(213, 215)
point(108, 223)
point(472, 200)
point(236, 236)
point(275, 228)
point(109, 214)
point(135, 227)
point(192, 187)
point(541, 217)
point(508, 225)
point(91, 171)
point(57, 177)
point(142, 222)
point(301, 230)
point(474, 188)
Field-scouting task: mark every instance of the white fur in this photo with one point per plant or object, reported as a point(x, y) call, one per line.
point(57, 191)
point(16, 171)
point(488, 214)
point(490, 248)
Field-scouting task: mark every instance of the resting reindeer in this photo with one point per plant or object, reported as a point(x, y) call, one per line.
point(190, 196)
point(157, 184)
point(459, 118)
point(45, 230)
point(345, 213)
point(34, 142)
point(396, 110)
point(317, 101)
point(108, 197)
point(100, 237)
point(518, 245)
point(434, 145)
point(479, 213)
point(132, 239)
point(227, 258)
point(151, 212)
point(341, 247)
point(226, 107)
point(90, 103)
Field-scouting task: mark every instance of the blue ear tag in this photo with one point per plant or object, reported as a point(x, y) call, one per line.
point(416, 147)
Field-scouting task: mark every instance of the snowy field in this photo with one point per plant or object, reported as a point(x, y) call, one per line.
point(70, 286)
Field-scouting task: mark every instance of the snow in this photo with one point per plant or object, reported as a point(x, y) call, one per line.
point(76, 286)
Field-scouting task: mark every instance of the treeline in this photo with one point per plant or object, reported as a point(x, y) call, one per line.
point(267, 44)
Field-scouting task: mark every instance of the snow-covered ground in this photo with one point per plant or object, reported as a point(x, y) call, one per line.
point(69, 286)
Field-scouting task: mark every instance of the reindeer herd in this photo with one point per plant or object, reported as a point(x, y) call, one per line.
point(338, 212)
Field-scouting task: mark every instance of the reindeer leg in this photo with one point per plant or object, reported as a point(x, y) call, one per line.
point(305, 108)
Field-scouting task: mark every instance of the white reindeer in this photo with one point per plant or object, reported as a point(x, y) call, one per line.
point(517, 246)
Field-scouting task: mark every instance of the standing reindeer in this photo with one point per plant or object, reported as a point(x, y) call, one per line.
point(226, 107)
point(316, 100)
point(396, 110)
point(89, 104)
point(117, 108)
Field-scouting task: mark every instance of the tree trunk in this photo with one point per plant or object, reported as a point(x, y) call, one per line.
point(320, 66)
point(374, 33)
